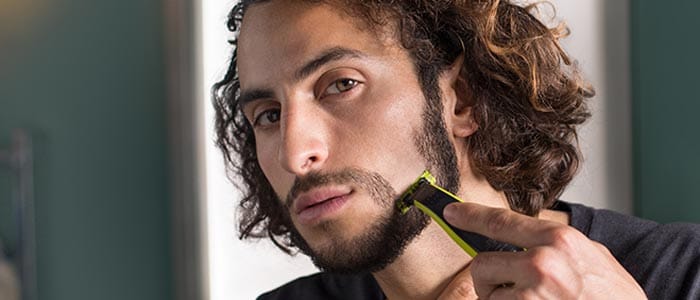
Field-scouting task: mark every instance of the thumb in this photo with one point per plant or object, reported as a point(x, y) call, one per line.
point(461, 287)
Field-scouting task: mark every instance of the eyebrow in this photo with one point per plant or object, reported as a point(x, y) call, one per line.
point(252, 95)
point(330, 55)
point(326, 57)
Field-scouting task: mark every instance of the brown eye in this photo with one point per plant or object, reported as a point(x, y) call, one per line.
point(341, 85)
point(267, 117)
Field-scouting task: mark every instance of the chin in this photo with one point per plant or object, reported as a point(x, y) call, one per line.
point(371, 250)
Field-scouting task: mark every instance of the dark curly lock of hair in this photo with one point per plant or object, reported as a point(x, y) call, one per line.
point(527, 99)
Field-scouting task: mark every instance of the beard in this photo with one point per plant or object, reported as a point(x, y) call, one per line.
point(387, 237)
point(377, 246)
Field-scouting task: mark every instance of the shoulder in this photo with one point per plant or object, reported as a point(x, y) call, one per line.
point(667, 261)
point(327, 286)
point(677, 241)
point(618, 232)
point(663, 258)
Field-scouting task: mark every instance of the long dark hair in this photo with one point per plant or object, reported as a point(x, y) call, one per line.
point(527, 99)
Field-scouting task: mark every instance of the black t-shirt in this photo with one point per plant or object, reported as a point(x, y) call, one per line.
point(663, 258)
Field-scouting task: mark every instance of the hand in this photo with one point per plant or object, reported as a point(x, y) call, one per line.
point(560, 262)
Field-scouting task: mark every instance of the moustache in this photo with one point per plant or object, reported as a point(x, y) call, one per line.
point(374, 183)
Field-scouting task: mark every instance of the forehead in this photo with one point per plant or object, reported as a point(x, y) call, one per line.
point(279, 36)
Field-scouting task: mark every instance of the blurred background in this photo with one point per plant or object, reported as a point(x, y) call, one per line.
point(110, 187)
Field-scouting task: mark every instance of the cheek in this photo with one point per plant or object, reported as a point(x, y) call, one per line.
point(404, 123)
point(267, 158)
point(390, 131)
point(401, 113)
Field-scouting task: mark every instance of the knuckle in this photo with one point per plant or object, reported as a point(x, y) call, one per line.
point(564, 237)
point(540, 264)
point(498, 221)
point(480, 263)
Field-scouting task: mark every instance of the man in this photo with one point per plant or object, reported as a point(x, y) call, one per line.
point(331, 109)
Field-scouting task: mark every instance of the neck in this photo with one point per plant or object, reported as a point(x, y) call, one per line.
point(425, 268)
point(433, 259)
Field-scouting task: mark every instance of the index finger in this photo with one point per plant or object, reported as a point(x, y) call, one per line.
point(500, 224)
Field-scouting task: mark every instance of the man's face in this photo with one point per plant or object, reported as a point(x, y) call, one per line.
point(338, 116)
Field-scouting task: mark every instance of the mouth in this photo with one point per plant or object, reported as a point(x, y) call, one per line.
point(313, 206)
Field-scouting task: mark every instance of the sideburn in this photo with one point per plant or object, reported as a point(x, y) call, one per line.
point(434, 143)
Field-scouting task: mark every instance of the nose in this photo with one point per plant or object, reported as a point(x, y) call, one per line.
point(304, 144)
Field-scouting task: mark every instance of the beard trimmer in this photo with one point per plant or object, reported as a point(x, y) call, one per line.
point(431, 199)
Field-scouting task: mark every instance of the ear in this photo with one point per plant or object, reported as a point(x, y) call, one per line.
point(457, 100)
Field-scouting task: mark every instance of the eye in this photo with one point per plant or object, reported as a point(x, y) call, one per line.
point(267, 117)
point(340, 86)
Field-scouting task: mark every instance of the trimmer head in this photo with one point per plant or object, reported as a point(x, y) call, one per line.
point(432, 199)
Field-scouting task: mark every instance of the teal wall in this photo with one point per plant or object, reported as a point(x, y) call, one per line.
point(87, 78)
point(666, 109)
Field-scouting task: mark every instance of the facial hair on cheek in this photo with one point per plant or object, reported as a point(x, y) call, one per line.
point(434, 144)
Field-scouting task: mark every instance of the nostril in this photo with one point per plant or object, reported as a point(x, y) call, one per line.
point(309, 160)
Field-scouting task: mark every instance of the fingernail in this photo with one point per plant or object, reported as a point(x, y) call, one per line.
point(450, 212)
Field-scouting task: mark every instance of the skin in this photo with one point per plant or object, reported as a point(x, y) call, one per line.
point(354, 112)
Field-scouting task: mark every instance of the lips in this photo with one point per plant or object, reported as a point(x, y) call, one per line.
point(317, 203)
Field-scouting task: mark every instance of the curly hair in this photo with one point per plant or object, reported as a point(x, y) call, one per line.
point(526, 95)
